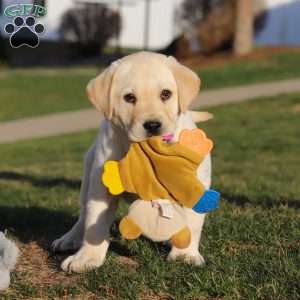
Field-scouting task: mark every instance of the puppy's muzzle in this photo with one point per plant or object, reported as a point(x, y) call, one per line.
point(152, 127)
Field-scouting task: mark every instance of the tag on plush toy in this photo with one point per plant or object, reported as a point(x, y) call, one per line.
point(166, 209)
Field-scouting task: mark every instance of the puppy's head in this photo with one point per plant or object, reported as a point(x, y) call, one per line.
point(143, 93)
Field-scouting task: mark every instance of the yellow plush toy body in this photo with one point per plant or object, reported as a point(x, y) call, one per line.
point(156, 169)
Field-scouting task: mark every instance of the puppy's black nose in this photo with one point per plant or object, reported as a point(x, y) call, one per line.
point(152, 127)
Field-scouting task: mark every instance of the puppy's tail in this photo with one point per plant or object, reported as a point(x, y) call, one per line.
point(201, 116)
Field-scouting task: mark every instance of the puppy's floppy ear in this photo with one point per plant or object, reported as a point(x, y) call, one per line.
point(99, 91)
point(188, 83)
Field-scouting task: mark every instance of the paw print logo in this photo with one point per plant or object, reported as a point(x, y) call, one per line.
point(24, 32)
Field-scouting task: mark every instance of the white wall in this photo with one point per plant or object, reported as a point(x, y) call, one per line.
point(161, 31)
point(55, 10)
point(283, 23)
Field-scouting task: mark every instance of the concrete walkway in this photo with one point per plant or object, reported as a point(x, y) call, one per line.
point(69, 122)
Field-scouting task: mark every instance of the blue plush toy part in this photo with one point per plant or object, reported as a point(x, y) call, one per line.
point(208, 202)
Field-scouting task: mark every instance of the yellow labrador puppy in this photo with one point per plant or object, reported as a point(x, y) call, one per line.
point(141, 95)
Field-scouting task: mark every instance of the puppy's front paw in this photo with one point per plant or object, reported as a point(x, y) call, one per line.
point(84, 260)
point(65, 243)
point(194, 258)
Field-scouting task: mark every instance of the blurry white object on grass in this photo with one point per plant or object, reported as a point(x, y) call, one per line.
point(9, 253)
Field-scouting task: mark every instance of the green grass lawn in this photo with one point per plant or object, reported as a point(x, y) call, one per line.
point(27, 93)
point(32, 92)
point(251, 244)
point(273, 67)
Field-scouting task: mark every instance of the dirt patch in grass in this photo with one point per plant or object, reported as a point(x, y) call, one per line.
point(234, 247)
point(37, 266)
point(128, 262)
point(149, 295)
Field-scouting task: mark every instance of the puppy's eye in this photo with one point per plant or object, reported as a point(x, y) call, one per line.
point(165, 95)
point(130, 98)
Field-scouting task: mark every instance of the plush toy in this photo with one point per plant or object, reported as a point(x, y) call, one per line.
point(158, 168)
point(8, 258)
point(159, 220)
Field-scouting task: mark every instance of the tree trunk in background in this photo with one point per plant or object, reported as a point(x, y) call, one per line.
point(243, 39)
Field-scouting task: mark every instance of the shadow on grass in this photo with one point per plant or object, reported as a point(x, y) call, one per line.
point(40, 181)
point(34, 223)
point(265, 202)
point(42, 225)
point(38, 225)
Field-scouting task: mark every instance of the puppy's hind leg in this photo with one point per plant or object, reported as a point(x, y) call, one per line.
point(191, 253)
point(72, 240)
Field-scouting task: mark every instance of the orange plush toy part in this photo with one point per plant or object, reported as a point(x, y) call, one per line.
point(196, 140)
